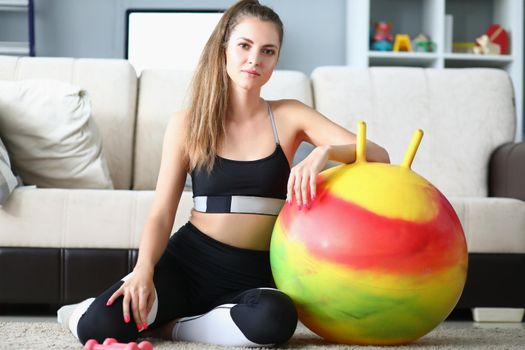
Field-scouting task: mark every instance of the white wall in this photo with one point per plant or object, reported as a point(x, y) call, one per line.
point(314, 30)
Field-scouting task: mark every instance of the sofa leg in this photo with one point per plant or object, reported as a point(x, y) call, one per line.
point(497, 314)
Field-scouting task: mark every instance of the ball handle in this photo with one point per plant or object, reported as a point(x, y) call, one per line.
point(360, 151)
point(412, 148)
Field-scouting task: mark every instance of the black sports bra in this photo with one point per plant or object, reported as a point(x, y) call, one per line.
point(236, 186)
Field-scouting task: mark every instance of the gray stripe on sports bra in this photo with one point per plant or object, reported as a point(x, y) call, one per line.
point(274, 127)
point(238, 204)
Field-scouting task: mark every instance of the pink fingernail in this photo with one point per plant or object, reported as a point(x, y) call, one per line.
point(126, 318)
point(109, 303)
point(145, 326)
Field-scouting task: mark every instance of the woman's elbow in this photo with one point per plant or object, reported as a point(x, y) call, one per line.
point(386, 156)
point(381, 155)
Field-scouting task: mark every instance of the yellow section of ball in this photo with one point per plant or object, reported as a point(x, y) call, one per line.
point(392, 191)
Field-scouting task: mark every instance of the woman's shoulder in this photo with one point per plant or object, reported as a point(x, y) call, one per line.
point(179, 118)
point(181, 114)
point(177, 122)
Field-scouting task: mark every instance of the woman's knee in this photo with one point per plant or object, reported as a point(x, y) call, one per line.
point(101, 322)
point(271, 317)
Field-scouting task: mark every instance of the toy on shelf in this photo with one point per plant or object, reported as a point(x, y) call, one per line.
point(495, 41)
point(486, 47)
point(382, 39)
point(423, 43)
point(402, 43)
point(112, 344)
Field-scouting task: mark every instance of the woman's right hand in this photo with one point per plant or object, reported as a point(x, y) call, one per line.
point(139, 294)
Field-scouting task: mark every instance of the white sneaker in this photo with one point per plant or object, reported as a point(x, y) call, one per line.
point(69, 315)
point(64, 313)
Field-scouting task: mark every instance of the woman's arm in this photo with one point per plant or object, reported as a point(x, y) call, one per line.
point(332, 141)
point(138, 291)
point(170, 184)
point(321, 131)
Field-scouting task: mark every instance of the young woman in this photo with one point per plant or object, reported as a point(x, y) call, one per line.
point(211, 281)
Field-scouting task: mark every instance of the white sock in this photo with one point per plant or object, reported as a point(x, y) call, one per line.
point(69, 315)
point(214, 327)
point(64, 313)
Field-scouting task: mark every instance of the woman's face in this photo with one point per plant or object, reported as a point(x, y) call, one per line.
point(252, 52)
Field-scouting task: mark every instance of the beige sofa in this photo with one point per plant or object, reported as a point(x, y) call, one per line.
point(59, 246)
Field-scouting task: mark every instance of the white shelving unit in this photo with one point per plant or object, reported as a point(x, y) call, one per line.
point(18, 48)
point(470, 20)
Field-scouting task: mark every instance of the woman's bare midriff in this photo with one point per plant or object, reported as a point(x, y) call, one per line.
point(249, 231)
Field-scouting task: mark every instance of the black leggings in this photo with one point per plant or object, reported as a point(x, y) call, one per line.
point(195, 275)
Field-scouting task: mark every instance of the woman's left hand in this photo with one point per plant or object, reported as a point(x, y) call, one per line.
point(302, 180)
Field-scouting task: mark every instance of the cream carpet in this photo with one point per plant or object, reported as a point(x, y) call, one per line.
point(45, 335)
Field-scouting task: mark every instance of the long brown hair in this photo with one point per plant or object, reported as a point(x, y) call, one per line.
point(209, 89)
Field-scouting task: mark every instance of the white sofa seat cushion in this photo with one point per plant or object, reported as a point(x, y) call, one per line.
point(56, 218)
point(492, 225)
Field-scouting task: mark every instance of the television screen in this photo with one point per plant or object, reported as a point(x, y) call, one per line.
point(168, 39)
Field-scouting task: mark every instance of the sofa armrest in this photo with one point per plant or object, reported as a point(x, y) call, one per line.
point(507, 171)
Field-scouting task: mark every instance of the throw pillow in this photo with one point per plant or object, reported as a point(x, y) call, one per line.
point(51, 137)
point(8, 181)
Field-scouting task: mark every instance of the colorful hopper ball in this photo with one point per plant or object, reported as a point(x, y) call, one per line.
point(379, 258)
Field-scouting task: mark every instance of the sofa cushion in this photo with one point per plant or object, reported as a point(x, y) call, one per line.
point(56, 218)
point(465, 114)
point(8, 181)
point(287, 84)
point(112, 87)
point(163, 92)
point(492, 225)
point(52, 139)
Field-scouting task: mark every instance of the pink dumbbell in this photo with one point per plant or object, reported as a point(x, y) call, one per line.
point(111, 344)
